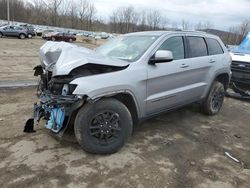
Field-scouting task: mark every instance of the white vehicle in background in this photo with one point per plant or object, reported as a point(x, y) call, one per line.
point(241, 63)
point(47, 33)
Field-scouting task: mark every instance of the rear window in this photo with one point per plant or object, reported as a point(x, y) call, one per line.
point(197, 47)
point(214, 47)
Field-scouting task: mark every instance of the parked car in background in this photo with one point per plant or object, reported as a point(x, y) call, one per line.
point(39, 31)
point(102, 35)
point(13, 31)
point(67, 37)
point(84, 34)
point(30, 30)
point(48, 32)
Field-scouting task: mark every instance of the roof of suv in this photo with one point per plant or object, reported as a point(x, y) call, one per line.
point(160, 33)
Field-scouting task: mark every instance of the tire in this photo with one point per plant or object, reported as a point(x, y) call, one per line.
point(22, 36)
point(103, 127)
point(30, 36)
point(53, 39)
point(1, 35)
point(70, 40)
point(214, 100)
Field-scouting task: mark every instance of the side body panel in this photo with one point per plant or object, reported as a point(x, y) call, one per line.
point(131, 80)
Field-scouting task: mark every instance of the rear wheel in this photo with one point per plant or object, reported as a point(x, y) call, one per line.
point(22, 36)
point(70, 40)
point(103, 127)
point(53, 39)
point(30, 36)
point(214, 100)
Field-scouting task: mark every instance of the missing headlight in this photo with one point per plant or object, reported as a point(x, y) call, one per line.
point(68, 89)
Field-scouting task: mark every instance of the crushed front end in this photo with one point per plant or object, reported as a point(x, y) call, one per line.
point(61, 64)
point(56, 101)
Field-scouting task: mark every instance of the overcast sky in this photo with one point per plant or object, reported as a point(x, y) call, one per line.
point(221, 13)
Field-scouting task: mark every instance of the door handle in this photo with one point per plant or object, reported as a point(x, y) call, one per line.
point(211, 61)
point(184, 66)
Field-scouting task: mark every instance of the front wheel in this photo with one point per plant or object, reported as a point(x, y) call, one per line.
point(103, 127)
point(214, 100)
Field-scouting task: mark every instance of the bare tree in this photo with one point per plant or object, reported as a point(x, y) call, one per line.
point(128, 15)
point(154, 19)
point(244, 28)
point(39, 7)
point(83, 11)
point(142, 17)
point(232, 36)
point(203, 25)
point(55, 5)
point(113, 21)
point(90, 15)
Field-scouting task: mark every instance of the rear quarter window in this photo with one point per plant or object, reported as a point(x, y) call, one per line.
point(197, 47)
point(214, 47)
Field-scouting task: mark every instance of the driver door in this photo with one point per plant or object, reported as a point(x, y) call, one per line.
point(167, 82)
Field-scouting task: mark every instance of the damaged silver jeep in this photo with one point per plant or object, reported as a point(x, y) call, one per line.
point(102, 93)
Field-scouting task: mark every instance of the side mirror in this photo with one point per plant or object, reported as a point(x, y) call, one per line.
point(161, 56)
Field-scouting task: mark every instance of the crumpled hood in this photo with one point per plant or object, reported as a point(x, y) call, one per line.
point(62, 57)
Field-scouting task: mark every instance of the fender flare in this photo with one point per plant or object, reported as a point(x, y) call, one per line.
point(95, 98)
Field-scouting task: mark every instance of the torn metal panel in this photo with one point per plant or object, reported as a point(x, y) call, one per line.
point(61, 58)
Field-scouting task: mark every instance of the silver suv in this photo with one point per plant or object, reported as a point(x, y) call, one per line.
point(102, 93)
point(14, 31)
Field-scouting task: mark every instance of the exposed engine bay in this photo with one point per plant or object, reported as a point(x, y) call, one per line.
point(61, 63)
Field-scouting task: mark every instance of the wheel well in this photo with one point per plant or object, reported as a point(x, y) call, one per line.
point(129, 102)
point(224, 79)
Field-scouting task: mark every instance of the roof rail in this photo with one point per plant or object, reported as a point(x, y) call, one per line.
point(193, 31)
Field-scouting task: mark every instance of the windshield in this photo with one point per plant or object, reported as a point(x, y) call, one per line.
point(128, 48)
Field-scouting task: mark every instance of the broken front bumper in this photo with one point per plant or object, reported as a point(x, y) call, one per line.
point(57, 110)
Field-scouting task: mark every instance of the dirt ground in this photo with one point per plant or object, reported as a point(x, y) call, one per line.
point(19, 57)
point(178, 149)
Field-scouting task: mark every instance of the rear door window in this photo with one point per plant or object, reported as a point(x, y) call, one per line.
point(175, 45)
point(197, 47)
point(214, 47)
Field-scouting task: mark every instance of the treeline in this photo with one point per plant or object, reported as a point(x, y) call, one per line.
point(82, 14)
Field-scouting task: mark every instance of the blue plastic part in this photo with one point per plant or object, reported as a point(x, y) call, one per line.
point(55, 122)
point(244, 47)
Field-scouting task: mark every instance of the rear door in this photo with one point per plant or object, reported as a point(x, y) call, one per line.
point(12, 31)
point(202, 64)
point(16, 31)
point(215, 51)
point(168, 83)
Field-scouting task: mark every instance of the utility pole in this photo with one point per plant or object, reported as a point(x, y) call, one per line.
point(8, 11)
